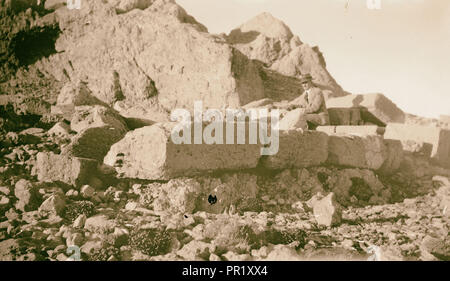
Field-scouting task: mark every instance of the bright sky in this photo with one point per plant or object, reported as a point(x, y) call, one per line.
point(401, 50)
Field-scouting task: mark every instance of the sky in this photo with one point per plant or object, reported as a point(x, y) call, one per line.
point(401, 50)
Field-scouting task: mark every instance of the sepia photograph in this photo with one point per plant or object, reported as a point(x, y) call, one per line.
point(224, 131)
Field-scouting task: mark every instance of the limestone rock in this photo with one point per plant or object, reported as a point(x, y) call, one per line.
point(394, 157)
point(194, 250)
point(27, 195)
point(79, 221)
point(298, 149)
point(269, 40)
point(52, 167)
point(148, 68)
point(60, 129)
point(99, 223)
point(87, 191)
point(54, 205)
point(360, 152)
point(283, 253)
point(352, 130)
point(344, 116)
point(96, 117)
point(375, 108)
point(327, 211)
point(293, 120)
point(149, 153)
point(437, 247)
point(438, 138)
point(98, 128)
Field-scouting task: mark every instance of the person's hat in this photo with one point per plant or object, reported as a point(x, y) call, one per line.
point(305, 78)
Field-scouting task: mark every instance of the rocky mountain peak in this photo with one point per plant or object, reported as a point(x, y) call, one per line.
point(267, 25)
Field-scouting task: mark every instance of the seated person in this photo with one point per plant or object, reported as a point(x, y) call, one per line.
point(312, 102)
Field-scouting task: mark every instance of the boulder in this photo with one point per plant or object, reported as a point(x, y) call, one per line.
point(97, 117)
point(72, 95)
point(375, 108)
point(28, 197)
point(327, 211)
point(298, 149)
point(60, 129)
point(359, 152)
point(100, 224)
point(293, 120)
point(52, 167)
point(98, 128)
point(438, 138)
point(149, 153)
point(267, 39)
point(54, 205)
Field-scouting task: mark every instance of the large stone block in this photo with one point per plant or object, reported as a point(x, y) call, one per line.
point(444, 118)
point(150, 153)
point(376, 108)
point(344, 116)
point(298, 149)
point(352, 130)
point(52, 167)
point(437, 137)
point(360, 152)
point(98, 128)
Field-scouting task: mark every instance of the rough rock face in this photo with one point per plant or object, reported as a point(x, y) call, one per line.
point(149, 153)
point(376, 108)
point(267, 39)
point(98, 128)
point(141, 68)
point(51, 167)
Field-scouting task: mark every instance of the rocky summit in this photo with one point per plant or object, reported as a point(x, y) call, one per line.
point(87, 161)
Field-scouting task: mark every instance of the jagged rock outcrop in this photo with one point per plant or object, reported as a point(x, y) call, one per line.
point(168, 60)
point(270, 41)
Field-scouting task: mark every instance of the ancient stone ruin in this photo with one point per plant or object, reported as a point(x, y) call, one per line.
point(87, 159)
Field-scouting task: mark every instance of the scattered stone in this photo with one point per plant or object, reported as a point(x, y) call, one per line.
point(87, 191)
point(74, 239)
point(52, 167)
point(27, 195)
point(5, 190)
point(79, 221)
point(99, 223)
point(327, 211)
point(54, 205)
point(60, 129)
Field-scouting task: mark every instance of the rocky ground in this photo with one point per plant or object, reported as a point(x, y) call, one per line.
point(132, 220)
point(84, 175)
